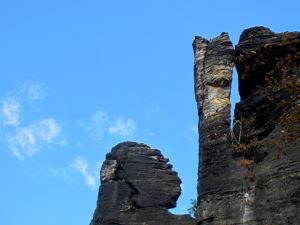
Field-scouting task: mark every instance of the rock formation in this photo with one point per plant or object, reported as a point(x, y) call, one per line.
point(268, 126)
point(248, 174)
point(138, 186)
point(254, 176)
point(217, 183)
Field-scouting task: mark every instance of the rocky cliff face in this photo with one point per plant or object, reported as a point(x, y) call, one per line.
point(254, 176)
point(138, 186)
point(267, 127)
point(218, 182)
point(248, 174)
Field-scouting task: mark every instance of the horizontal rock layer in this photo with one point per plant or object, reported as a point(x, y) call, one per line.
point(254, 178)
point(218, 184)
point(268, 69)
point(138, 186)
point(267, 122)
point(248, 175)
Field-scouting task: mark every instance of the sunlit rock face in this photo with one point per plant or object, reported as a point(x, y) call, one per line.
point(252, 177)
point(249, 174)
point(219, 183)
point(214, 61)
point(138, 186)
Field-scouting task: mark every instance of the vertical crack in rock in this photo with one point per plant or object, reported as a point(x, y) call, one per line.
point(133, 201)
point(255, 178)
point(252, 178)
point(138, 186)
point(214, 62)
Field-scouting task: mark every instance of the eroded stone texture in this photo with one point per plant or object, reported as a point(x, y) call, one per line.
point(214, 62)
point(138, 186)
point(268, 69)
point(268, 124)
point(219, 183)
point(255, 177)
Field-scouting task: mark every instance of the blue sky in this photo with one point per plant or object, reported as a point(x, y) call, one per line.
point(77, 77)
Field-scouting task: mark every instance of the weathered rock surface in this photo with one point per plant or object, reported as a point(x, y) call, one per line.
point(218, 182)
point(268, 69)
point(138, 186)
point(247, 175)
point(254, 178)
point(268, 127)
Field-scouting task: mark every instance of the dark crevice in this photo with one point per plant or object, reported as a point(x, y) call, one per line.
point(121, 175)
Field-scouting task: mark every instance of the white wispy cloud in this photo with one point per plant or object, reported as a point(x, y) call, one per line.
point(96, 125)
point(10, 107)
point(48, 129)
point(81, 165)
point(34, 90)
point(100, 125)
point(124, 128)
point(10, 112)
point(27, 141)
point(22, 142)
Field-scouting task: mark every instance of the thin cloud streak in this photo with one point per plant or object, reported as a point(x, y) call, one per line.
point(48, 129)
point(10, 112)
point(96, 125)
point(122, 128)
point(81, 166)
point(29, 140)
point(101, 125)
point(26, 140)
point(35, 91)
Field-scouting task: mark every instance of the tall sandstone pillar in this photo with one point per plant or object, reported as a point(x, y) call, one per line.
point(253, 177)
point(214, 62)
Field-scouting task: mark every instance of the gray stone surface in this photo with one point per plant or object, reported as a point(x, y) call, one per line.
point(254, 177)
point(219, 183)
point(247, 175)
point(268, 66)
point(138, 186)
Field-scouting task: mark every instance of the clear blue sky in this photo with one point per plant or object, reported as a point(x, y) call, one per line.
point(77, 77)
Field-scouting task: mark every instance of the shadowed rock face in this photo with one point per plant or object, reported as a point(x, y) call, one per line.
point(138, 186)
point(268, 69)
point(268, 66)
point(254, 178)
point(249, 175)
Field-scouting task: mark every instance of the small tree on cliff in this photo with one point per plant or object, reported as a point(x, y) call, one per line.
point(193, 209)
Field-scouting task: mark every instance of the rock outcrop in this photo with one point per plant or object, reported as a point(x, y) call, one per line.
point(248, 174)
point(138, 186)
point(218, 183)
point(268, 69)
point(267, 131)
point(254, 176)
